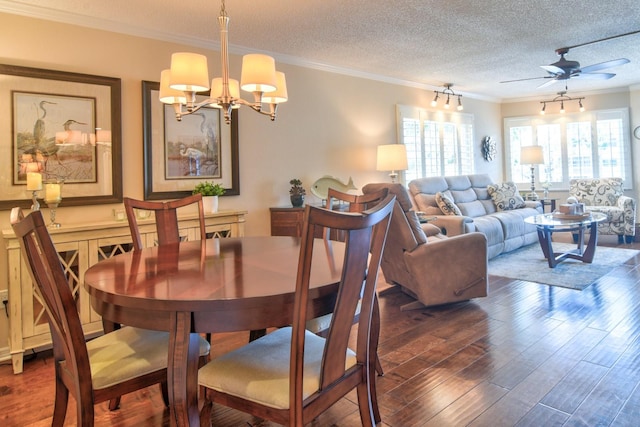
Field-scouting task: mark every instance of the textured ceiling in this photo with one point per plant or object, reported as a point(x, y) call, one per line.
point(474, 44)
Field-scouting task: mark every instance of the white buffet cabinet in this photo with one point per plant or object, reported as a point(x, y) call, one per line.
point(80, 246)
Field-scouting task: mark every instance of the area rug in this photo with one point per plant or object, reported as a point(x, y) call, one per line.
point(529, 264)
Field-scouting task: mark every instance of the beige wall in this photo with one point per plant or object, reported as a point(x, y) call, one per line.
point(331, 125)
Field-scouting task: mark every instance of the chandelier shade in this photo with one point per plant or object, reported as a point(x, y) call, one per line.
point(167, 94)
point(217, 89)
point(189, 72)
point(258, 73)
point(189, 75)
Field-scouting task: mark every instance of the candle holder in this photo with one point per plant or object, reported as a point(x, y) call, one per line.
point(35, 205)
point(53, 197)
point(34, 184)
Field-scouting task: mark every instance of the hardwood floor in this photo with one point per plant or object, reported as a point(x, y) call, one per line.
point(527, 355)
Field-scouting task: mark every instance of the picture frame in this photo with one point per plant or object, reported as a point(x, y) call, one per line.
point(35, 135)
point(163, 144)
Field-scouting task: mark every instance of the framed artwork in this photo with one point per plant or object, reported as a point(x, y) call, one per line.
point(180, 154)
point(66, 126)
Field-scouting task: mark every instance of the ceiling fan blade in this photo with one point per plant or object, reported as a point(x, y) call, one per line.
point(552, 69)
point(549, 83)
point(594, 76)
point(603, 65)
point(528, 78)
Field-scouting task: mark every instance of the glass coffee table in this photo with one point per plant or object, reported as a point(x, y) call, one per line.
point(547, 224)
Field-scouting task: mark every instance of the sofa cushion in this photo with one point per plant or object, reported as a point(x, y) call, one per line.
point(446, 205)
point(505, 196)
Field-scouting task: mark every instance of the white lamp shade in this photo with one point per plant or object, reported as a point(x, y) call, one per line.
point(167, 94)
point(392, 157)
point(189, 72)
point(258, 73)
point(280, 94)
point(531, 155)
point(216, 91)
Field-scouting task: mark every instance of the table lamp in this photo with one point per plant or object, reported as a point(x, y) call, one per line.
point(392, 157)
point(532, 155)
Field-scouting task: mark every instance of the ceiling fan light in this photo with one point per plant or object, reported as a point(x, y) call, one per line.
point(446, 104)
point(435, 101)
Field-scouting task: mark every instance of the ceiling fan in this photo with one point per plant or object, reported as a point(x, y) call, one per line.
point(565, 69)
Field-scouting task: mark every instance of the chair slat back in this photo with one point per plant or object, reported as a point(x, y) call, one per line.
point(357, 202)
point(166, 217)
point(365, 236)
point(48, 275)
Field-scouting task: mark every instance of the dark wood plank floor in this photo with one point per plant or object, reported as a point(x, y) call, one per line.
point(527, 355)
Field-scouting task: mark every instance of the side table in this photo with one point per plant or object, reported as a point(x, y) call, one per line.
point(548, 202)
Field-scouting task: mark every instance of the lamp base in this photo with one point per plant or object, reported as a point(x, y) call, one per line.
point(532, 196)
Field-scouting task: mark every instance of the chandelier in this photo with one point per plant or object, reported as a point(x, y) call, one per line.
point(189, 75)
point(450, 94)
point(562, 98)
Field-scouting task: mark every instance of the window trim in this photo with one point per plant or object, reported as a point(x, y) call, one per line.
point(461, 121)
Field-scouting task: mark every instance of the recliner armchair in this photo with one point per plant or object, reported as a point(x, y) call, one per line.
point(432, 268)
point(606, 195)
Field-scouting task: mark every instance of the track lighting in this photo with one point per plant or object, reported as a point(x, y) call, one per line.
point(435, 100)
point(561, 98)
point(450, 93)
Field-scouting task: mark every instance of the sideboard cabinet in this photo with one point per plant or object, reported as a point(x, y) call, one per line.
point(79, 246)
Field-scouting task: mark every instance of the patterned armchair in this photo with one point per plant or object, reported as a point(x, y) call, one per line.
point(605, 195)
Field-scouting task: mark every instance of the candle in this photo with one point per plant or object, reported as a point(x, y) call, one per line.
point(52, 193)
point(34, 181)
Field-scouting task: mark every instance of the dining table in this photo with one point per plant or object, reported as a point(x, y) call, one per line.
point(209, 286)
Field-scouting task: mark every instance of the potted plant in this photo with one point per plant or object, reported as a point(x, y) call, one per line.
point(210, 193)
point(296, 193)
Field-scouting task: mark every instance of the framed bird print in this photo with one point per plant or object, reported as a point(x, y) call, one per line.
point(63, 126)
point(192, 145)
point(180, 154)
point(55, 135)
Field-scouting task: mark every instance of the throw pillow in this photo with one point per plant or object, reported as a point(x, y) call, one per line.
point(446, 204)
point(505, 196)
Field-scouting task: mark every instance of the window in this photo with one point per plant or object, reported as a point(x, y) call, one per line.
point(584, 145)
point(438, 143)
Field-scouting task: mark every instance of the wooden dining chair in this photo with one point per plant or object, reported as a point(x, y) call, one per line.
point(104, 368)
point(338, 200)
point(166, 216)
point(292, 375)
